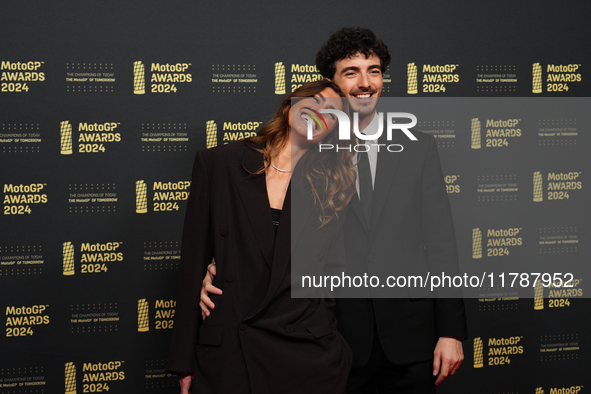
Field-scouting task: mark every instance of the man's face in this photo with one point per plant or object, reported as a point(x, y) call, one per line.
point(361, 79)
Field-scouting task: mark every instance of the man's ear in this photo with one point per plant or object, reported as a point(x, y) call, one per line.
point(328, 79)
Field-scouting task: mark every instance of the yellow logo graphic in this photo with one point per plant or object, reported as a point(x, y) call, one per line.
point(538, 187)
point(476, 243)
point(70, 374)
point(538, 296)
point(279, 78)
point(412, 87)
point(68, 263)
point(478, 357)
point(476, 136)
point(139, 80)
point(141, 197)
point(211, 134)
point(539, 390)
point(142, 315)
point(66, 138)
point(536, 78)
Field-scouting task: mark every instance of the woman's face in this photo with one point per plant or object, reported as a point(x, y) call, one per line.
point(307, 111)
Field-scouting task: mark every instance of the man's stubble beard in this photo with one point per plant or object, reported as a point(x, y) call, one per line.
point(364, 109)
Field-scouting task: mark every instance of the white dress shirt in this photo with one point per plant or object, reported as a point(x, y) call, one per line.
point(372, 154)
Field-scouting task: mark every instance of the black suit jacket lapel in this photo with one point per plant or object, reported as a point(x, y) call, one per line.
point(387, 165)
point(355, 206)
point(297, 202)
point(281, 256)
point(301, 205)
point(253, 194)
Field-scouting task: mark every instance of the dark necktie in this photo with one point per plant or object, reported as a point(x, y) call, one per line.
point(365, 185)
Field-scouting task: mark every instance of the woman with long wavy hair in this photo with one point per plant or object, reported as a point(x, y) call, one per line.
point(259, 339)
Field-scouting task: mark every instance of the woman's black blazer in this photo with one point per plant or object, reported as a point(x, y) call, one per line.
point(257, 339)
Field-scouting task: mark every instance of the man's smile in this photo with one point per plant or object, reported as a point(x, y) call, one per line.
point(364, 94)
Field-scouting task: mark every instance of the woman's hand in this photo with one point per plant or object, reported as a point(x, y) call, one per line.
point(185, 381)
point(207, 287)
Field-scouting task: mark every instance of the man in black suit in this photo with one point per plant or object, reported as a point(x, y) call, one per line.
point(402, 345)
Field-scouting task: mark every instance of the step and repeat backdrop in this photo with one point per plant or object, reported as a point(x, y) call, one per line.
point(104, 104)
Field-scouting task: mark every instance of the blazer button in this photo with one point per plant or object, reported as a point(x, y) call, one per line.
point(230, 278)
point(289, 328)
point(243, 326)
point(223, 231)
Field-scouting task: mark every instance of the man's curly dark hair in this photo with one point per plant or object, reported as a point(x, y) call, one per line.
point(347, 42)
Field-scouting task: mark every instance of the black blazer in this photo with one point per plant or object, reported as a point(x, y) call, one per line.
point(411, 226)
point(258, 339)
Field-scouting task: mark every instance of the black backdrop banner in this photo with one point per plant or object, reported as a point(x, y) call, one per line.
point(103, 105)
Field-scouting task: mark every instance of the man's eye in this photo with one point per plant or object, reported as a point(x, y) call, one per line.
point(316, 99)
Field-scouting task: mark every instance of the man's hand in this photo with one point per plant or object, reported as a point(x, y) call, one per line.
point(207, 287)
point(448, 355)
point(185, 381)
